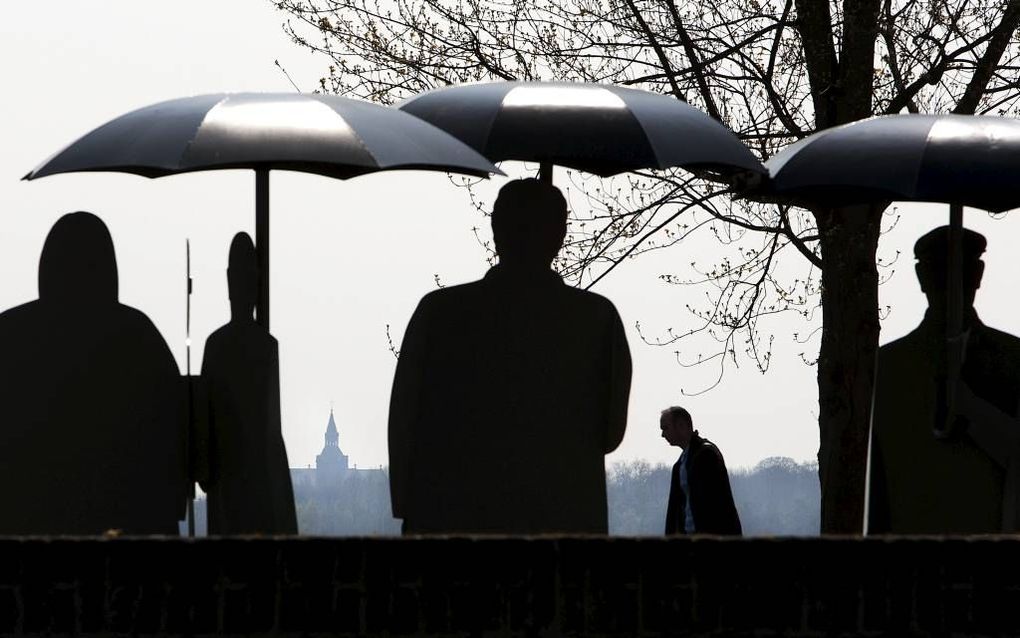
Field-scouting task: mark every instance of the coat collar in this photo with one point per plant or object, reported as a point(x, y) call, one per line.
point(501, 273)
point(933, 328)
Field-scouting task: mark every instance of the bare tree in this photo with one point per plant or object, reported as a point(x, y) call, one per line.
point(773, 71)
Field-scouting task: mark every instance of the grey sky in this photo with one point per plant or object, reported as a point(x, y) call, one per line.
point(350, 257)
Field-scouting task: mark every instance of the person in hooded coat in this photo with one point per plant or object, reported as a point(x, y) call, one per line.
point(91, 418)
point(248, 485)
point(509, 391)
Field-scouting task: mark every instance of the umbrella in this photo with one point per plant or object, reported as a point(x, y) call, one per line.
point(594, 128)
point(962, 160)
point(329, 135)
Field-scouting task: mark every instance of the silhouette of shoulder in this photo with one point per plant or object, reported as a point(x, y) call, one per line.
point(232, 331)
point(906, 342)
point(247, 341)
point(18, 311)
point(452, 297)
point(133, 315)
point(596, 301)
point(123, 317)
point(1001, 339)
point(707, 448)
point(18, 314)
point(990, 338)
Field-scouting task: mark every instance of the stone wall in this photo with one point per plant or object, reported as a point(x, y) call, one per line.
point(521, 586)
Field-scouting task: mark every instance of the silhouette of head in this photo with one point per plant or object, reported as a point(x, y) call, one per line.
point(242, 277)
point(529, 222)
point(932, 254)
point(677, 426)
point(78, 264)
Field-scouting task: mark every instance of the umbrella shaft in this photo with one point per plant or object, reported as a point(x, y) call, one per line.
point(954, 289)
point(262, 243)
point(954, 319)
point(545, 172)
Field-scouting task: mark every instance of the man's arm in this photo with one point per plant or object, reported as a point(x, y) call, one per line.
point(405, 399)
point(673, 502)
point(711, 497)
point(619, 384)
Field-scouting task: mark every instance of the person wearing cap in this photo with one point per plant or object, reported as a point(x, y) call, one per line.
point(509, 391)
point(927, 478)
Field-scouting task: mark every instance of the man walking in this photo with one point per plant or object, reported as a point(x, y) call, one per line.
point(700, 500)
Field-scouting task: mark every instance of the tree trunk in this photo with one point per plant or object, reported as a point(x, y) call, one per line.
point(842, 88)
point(846, 361)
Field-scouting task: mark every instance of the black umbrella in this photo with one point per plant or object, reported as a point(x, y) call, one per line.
point(594, 128)
point(962, 160)
point(324, 134)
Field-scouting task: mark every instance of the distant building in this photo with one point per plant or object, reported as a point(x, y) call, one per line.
point(332, 466)
point(336, 498)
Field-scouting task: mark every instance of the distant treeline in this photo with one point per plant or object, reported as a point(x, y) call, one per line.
point(777, 497)
point(358, 506)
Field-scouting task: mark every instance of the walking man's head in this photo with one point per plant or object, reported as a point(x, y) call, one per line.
point(677, 426)
point(529, 222)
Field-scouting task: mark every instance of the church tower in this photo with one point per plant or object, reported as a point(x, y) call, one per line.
point(331, 464)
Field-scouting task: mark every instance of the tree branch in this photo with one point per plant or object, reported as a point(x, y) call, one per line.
point(692, 55)
point(659, 53)
point(1001, 36)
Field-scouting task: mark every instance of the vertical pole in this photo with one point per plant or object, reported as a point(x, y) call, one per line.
point(954, 315)
point(545, 172)
point(189, 448)
point(262, 244)
point(954, 288)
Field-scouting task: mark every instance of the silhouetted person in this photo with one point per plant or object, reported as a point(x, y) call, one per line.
point(91, 421)
point(510, 390)
point(700, 499)
point(928, 481)
point(248, 485)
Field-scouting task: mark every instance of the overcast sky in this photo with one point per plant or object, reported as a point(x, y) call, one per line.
point(351, 257)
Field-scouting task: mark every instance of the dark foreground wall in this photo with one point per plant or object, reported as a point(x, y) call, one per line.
point(539, 586)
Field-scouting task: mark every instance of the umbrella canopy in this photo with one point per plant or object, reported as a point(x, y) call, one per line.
point(594, 128)
point(324, 134)
point(958, 159)
point(962, 160)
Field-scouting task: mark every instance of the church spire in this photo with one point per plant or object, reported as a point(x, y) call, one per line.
point(332, 435)
point(332, 462)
